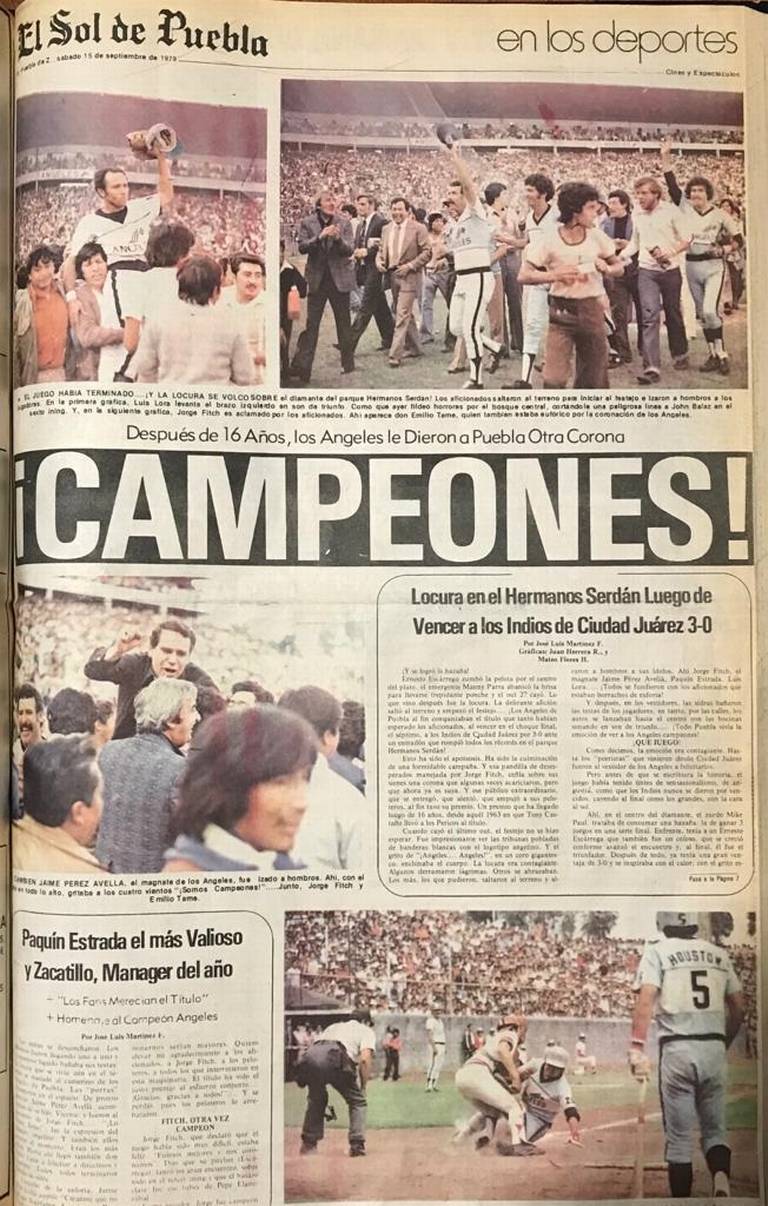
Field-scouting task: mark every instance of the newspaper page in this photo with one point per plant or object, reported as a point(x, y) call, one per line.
point(386, 618)
point(6, 152)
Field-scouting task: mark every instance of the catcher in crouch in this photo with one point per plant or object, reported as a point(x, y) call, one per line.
point(490, 1079)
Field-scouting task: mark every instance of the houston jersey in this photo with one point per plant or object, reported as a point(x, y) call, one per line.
point(544, 1099)
point(693, 977)
point(123, 235)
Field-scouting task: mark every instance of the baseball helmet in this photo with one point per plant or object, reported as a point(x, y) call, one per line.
point(677, 921)
point(582, 1035)
point(447, 133)
point(556, 1057)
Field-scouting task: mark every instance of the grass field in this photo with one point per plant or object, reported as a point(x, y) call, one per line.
point(405, 1101)
point(430, 371)
point(411, 1156)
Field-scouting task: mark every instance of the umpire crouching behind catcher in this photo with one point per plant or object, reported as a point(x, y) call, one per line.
point(341, 1057)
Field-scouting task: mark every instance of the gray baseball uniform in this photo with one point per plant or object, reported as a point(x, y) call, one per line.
point(693, 977)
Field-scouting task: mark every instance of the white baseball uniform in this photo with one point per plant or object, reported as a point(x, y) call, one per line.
point(123, 235)
point(475, 1080)
point(471, 242)
point(535, 297)
point(436, 1033)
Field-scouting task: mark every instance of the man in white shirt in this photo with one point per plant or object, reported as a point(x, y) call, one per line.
point(247, 298)
point(331, 832)
point(541, 220)
point(341, 1057)
point(658, 237)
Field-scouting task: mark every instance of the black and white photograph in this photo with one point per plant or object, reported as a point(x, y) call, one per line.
point(161, 728)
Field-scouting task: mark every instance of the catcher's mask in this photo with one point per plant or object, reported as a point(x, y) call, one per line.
point(513, 1021)
point(555, 1063)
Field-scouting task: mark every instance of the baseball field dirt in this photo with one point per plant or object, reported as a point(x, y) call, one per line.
point(419, 1162)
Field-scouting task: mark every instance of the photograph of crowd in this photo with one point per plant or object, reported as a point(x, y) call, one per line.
point(140, 259)
point(436, 1042)
point(160, 729)
point(537, 235)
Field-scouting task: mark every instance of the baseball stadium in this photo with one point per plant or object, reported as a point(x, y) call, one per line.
point(439, 990)
point(219, 166)
point(380, 139)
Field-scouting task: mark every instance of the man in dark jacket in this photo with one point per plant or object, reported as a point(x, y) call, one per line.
point(140, 777)
point(170, 647)
point(326, 238)
point(374, 302)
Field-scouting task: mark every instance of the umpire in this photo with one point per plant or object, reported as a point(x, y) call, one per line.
point(341, 1057)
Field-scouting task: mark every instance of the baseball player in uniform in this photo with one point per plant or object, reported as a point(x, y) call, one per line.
point(688, 984)
point(542, 219)
point(472, 244)
point(341, 1057)
point(121, 226)
point(545, 1092)
point(490, 1080)
point(436, 1054)
point(584, 1062)
point(713, 233)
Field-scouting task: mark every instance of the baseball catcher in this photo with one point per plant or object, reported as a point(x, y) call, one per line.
point(490, 1080)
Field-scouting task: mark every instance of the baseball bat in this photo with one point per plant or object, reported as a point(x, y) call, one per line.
point(638, 1179)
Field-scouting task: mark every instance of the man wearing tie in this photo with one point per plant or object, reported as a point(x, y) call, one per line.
point(374, 302)
point(325, 237)
point(404, 252)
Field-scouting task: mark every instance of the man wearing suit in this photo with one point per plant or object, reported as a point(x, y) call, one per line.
point(374, 302)
point(404, 252)
point(325, 237)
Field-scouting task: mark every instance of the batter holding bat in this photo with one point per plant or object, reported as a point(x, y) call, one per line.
point(121, 228)
point(688, 984)
point(472, 243)
point(491, 1081)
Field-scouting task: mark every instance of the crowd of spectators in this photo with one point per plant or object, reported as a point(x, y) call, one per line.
point(75, 159)
point(140, 748)
point(54, 638)
point(186, 307)
point(501, 129)
point(222, 225)
point(422, 176)
point(459, 964)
